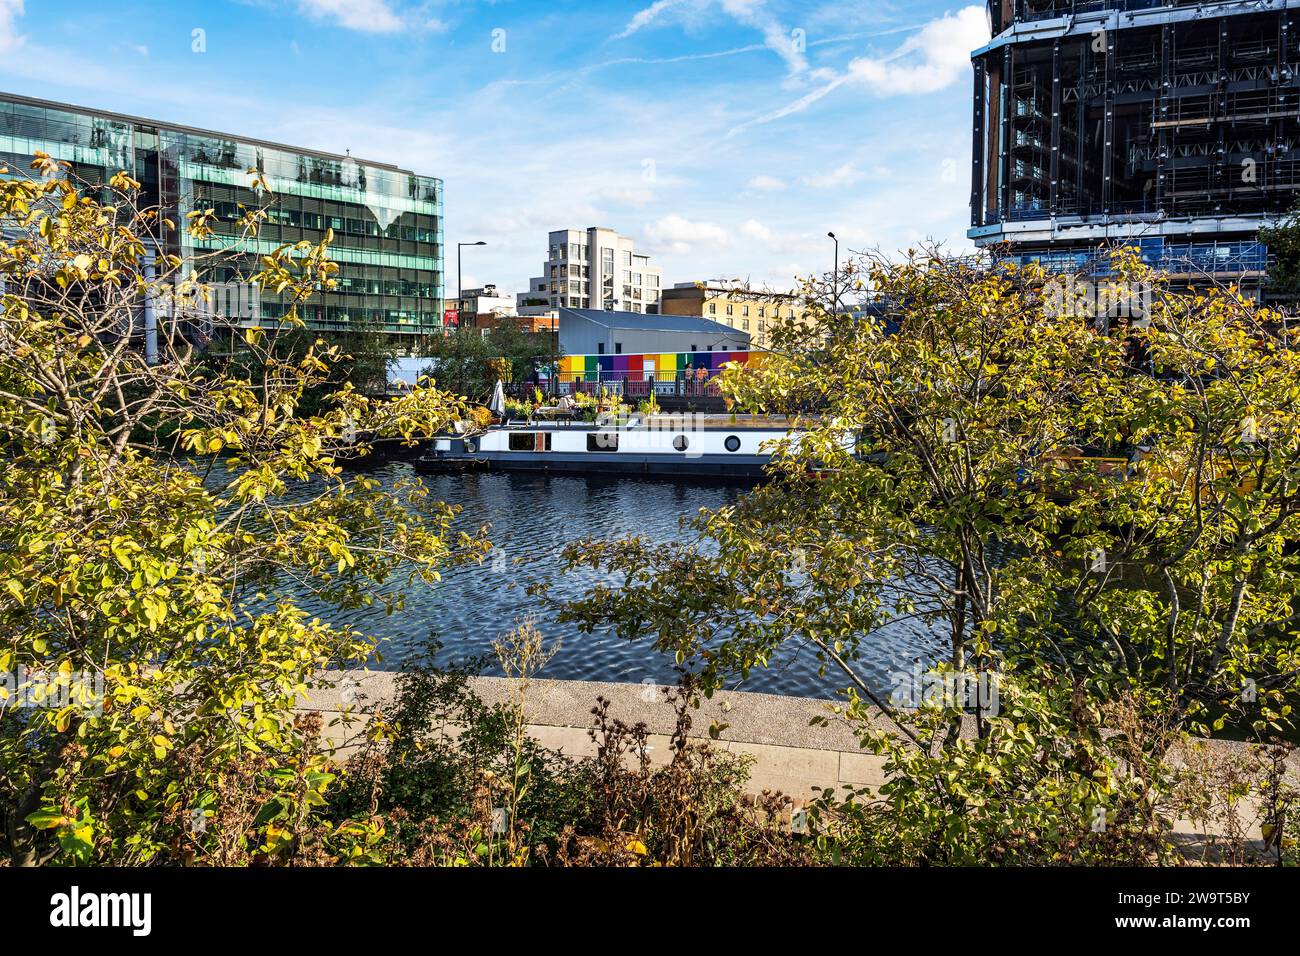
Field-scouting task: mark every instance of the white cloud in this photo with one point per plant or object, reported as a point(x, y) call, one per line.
point(624, 195)
point(845, 175)
point(678, 236)
point(932, 60)
point(141, 49)
point(753, 229)
point(10, 11)
point(766, 183)
point(367, 16)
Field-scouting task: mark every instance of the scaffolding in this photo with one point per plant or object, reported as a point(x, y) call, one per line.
point(1153, 115)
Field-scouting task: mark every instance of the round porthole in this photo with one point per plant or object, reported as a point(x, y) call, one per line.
point(732, 443)
point(681, 443)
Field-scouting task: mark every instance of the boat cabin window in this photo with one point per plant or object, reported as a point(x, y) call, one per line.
point(732, 443)
point(530, 441)
point(681, 443)
point(602, 441)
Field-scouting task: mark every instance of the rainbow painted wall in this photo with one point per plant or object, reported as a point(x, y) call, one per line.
point(666, 365)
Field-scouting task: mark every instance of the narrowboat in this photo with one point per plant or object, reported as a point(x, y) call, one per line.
point(687, 446)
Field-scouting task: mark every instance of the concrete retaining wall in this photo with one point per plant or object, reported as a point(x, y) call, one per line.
point(789, 754)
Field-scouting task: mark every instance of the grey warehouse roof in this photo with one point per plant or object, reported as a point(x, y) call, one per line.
point(650, 322)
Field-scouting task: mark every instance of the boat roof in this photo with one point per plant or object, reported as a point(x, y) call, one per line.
point(670, 422)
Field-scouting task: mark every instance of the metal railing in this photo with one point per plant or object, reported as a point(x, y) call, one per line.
point(629, 385)
point(642, 386)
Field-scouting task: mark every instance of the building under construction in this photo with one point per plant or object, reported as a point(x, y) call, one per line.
point(1168, 124)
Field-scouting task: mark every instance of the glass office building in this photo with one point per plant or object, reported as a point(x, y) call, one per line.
point(387, 221)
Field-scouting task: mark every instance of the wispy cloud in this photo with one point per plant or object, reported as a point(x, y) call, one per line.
point(785, 42)
point(766, 183)
point(789, 109)
point(644, 18)
point(844, 175)
point(10, 11)
point(936, 57)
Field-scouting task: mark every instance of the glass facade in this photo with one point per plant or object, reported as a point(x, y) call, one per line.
point(387, 222)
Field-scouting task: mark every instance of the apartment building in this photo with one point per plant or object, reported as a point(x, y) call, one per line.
point(735, 304)
point(594, 268)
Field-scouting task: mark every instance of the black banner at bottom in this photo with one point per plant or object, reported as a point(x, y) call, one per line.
point(149, 907)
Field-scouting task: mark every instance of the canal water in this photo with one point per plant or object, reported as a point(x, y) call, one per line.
point(531, 519)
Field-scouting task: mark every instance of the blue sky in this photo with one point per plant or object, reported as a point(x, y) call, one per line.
point(726, 136)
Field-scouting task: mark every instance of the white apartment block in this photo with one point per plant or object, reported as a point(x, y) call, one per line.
point(593, 268)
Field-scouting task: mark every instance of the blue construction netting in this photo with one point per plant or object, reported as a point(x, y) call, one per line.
point(1210, 258)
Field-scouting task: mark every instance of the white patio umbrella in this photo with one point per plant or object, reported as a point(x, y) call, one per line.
point(498, 404)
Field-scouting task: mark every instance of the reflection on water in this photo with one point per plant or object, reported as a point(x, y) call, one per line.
point(532, 518)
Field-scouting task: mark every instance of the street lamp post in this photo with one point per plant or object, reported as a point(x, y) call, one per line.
point(555, 357)
point(459, 246)
point(835, 276)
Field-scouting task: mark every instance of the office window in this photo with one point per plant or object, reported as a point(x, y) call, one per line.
point(627, 258)
point(618, 348)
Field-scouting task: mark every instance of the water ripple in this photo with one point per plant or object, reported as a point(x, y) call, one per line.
point(532, 518)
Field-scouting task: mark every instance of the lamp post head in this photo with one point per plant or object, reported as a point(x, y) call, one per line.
point(831, 234)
